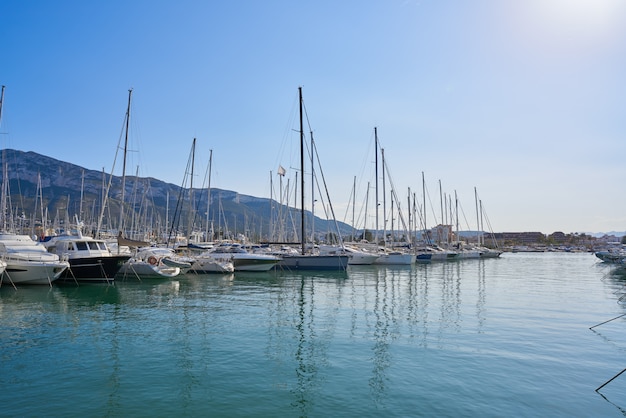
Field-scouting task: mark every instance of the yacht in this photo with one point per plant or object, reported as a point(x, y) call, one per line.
point(206, 263)
point(28, 261)
point(393, 257)
point(145, 264)
point(244, 260)
point(90, 259)
point(356, 257)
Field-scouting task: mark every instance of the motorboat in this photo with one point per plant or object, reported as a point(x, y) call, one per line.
point(355, 256)
point(28, 261)
point(244, 260)
point(206, 263)
point(145, 264)
point(392, 257)
point(90, 259)
point(203, 261)
point(167, 257)
point(614, 256)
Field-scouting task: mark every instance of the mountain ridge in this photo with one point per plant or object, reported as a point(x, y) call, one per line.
point(68, 191)
point(36, 178)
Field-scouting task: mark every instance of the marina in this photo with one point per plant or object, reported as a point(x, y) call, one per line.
point(506, 336)
point(183, 234)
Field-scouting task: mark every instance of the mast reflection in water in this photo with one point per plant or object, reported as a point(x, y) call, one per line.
point(488, 337)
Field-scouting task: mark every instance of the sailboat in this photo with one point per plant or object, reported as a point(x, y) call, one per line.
point(3, 264)
point(387, 256)
point(23, 260)
point(464, 251)
point(436, 252)
point(203, 263)
point(143, 263)
point(485, 252)
point(306, 260)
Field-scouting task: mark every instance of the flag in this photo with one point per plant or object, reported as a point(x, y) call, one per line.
point(281, 170)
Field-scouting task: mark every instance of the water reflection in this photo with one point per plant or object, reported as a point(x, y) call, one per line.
point(90, 294)
point(303, 320)
point(305, 357)
point(26, 320)
point(384, 304)
point(317, 299)
point(28, 295)
point(374, 338)
point(482, 296)
point(384, 307)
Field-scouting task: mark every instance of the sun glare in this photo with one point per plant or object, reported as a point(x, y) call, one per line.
point(569, 25)
point(579, 14)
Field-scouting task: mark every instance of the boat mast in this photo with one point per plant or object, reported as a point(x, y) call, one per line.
point(295, 205)
point(482, 228)
point(302, 175)
point(312, 191)
point(441, 207)
point(1, 101)
point(382, 157)
point(424, 210)
point(477, 217)
point(353, 207)
point(208, 202)
point(414, 210)
point(82, 189)
point(456, 214)
point(191, 202)
point(391, 232)
point(408, 201)
point(280, 208)
point(449, 219)
point(43, 217)
point(134, 216)
point(121, 223)
point(271, 225)
point(376, 177)
point(5, 182)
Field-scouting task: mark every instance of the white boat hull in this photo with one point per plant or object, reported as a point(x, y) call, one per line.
point(314, 262)
point(254, 262)
point(210, 265)
point(443, 256)
point(396, 259)
point(145, 270)
point(611, 257)
point(33, 272)
point(362, 259)
point(28, 262)
point(465, 255)
point(490, 254)
point(184, 266)
point(356, 256)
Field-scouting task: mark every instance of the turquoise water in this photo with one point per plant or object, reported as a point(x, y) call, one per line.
point(488, 338)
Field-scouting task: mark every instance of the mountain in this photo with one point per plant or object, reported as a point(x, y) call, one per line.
point(37, 181)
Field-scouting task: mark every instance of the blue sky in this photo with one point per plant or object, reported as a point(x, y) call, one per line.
point(523, 100)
